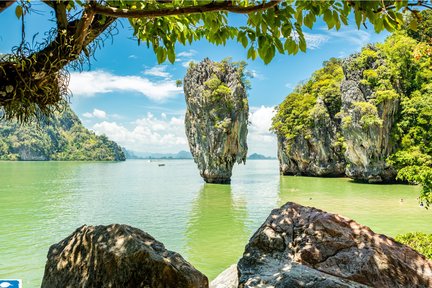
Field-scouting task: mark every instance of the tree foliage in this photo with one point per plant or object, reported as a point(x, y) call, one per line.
point(61, 137)
point(399, 69)
point(420, 242)
point(30, 78)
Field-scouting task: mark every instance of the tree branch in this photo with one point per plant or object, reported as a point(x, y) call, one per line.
point(5, 4)
point(211, 7)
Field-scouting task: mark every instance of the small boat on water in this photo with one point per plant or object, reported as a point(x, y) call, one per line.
point(161, 164)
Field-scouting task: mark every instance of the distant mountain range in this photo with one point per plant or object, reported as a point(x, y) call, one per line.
point(179, 155)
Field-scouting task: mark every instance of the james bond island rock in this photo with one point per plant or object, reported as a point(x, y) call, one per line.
point(309, 136)
point(301, 246)
point(365, 117)
point(216, 117)
point(117, 256)
point(61, 137)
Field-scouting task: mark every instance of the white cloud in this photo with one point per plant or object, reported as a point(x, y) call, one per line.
point(148, 134)
point(100, 114)
point(352, 36)
point(315, 41)
point(260, 139)
point(159, 71)
point(92, 83)
point(187, 54)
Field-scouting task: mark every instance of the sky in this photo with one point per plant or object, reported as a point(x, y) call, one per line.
point(127, 96)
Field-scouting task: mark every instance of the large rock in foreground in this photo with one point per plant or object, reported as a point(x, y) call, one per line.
point(216, 118)
point(301, 246)
point(117, 256)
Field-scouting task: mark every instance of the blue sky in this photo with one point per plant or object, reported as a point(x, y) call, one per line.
point(126, 95)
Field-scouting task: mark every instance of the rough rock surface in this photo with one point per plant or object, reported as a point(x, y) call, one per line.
point(227, 279)
point(216, 118)
point(314, 153)
point(367, 146)
point(301, 246)
point(116, 256)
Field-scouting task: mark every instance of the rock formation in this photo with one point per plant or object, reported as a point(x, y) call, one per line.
point(61, 136)
point(216, 118)
point(301, 246)
point(343, 131)
point(366, 125)
point(117, 256)
point(315, 151)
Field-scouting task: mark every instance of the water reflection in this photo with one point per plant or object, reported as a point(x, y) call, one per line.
point(216, 232)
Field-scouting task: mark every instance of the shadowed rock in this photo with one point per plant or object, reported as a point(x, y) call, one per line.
point(301, 246)
point(216, 118)
point(117, 256)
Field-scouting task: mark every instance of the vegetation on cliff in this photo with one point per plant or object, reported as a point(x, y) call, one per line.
point(216, 117)
point(396, 78)
point(61, 137)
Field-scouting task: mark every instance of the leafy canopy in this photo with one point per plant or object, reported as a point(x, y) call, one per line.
point(31, 81)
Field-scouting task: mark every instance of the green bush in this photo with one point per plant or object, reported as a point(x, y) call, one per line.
point(420, 242)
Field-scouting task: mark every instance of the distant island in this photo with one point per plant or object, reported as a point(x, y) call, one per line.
point(62, 137)
point(148, 155)
point(256, 156)
point(179, 155)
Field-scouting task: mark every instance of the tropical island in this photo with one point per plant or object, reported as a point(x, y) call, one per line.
point(365, 117)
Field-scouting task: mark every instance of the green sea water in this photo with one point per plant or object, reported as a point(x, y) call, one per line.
point(43, 202)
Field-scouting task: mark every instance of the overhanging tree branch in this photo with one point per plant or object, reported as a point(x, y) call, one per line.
point(211, 7)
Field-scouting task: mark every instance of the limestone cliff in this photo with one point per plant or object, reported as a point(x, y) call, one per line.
point(367, 122)
point(342, 120)
point(308, 132)
point(60, 137)
point(216, 118)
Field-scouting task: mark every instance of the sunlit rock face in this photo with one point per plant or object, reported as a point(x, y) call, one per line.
point(317, 150)
point(216, 118)
point(117, 256)
point(300, 246)
point(367, 122)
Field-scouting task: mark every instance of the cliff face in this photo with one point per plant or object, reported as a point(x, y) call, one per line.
point(366, 122)
point(343, 120)
point(216, 118)
point(308, 131)
point(61, 137)
point(315, 151)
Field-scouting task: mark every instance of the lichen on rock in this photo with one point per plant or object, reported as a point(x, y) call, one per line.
point(216, 118)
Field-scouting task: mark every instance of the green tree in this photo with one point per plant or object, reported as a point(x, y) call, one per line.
point(33, 81)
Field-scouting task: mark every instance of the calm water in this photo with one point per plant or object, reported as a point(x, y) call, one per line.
point(43, 202)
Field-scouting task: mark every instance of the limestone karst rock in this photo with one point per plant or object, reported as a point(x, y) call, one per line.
point(300, 246)
point(216, 118)
point(117, 256)
point(366, 124)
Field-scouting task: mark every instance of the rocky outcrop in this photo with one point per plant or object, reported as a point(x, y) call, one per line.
point(227, 279)
point(366, 124)
point(347, 131)
point(316, 151)
point(61, 136)
point(216, 118)
point(301, 246)
point(117, 256)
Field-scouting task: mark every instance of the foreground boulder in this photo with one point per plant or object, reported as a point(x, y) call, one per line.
point(301, 246)
point(117, 256)
point(216, 118)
